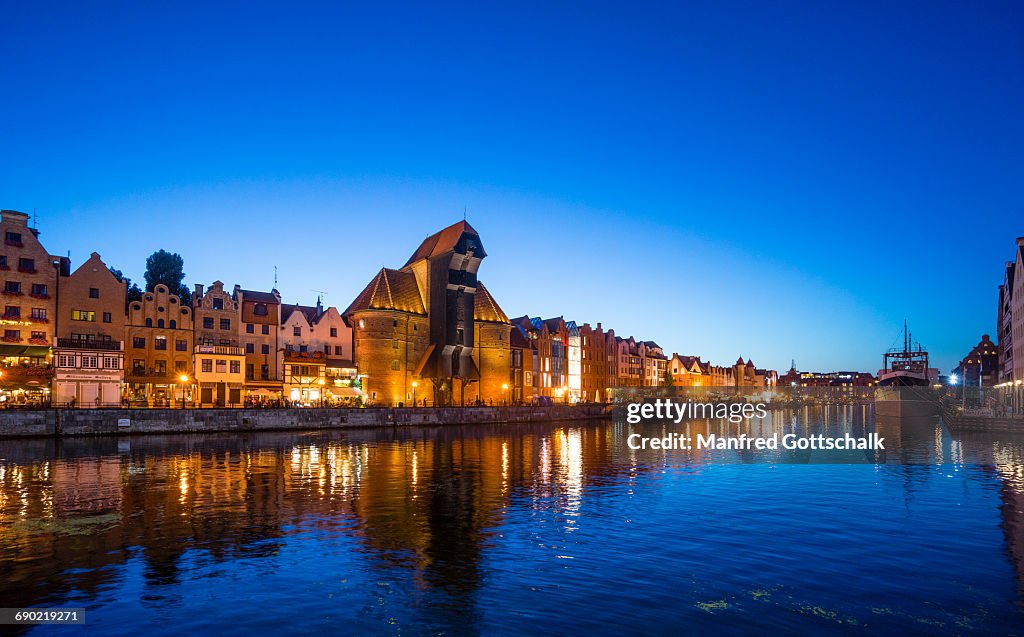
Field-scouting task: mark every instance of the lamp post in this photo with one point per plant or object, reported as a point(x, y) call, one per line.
point(414, 384)
point(322, 382)
point(184, 379)
point(504, 392)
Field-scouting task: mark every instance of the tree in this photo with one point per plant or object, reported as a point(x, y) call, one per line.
point(167, 268)
point(669, 379)
point(134, 291)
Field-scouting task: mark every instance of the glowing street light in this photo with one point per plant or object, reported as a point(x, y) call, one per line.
point(184, 379)
point(414, 385)
point(504, 390)
point(953, 380)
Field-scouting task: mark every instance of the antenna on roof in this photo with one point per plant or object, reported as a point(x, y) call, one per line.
point(35, 219)
point(464, 213)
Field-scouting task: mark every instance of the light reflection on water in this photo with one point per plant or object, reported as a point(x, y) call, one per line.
point(495, 530)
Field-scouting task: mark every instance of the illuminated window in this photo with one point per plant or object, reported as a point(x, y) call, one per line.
point(82, 315)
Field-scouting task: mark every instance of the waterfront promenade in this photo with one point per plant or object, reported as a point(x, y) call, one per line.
point(117, 421)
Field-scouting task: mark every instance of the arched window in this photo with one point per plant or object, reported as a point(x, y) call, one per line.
point(174, 324)
point(160, 323)
point(149, 322)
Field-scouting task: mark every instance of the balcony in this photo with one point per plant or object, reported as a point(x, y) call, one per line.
point(76, 343)
point(222, 350)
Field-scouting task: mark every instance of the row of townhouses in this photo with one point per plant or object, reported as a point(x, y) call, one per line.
point(427, 333)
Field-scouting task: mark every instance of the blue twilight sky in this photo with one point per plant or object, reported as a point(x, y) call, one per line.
point(773, 180)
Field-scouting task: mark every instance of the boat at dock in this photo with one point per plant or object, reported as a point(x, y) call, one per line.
point(905, 383)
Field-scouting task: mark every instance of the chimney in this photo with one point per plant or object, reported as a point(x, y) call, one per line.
point(199, 292)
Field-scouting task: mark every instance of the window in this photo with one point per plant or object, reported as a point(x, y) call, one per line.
point(12, 311)
point(110, 362)
point(12, 287)
point(160, 342)
point(38, 336)
point(394, 343)
point(266, 329)
point(236, 367)
point(159, 322)
point(12, 335)
point(139, 342)
point(139, 367)
point(107, 317)
point(296, 331)
point(26, 265)
point(218, 304)
point(90, 361)
point(66, 360)
point(265, 372)
point(208, 322)
point(82, 315)
point(394, 323)
point(39, 289)
point(207, 365)
point(94, 293)
point(181, 367)
point(264, 349)
point(249, 374)
point(303, 349)
point(149, 322)
point(174, 324)
point(3, 261)
point(222, 366)
point(334, 332)
point(250, 348)
point(327, 350)
point(12, 238)
point(181, 345)
point(225, 324)
point(160, 367)
point(260, 309)
point(337, 350)
point(394, 364)
point(250, 328)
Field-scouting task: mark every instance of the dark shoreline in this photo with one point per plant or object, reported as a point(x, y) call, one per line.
point(61, 423)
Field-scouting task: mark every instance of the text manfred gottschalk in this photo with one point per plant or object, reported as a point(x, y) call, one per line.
point(676, 412)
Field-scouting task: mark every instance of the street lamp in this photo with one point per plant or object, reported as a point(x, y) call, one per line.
point(322, 382)
point(414, 384)
point(504, 391)
point(184, 379)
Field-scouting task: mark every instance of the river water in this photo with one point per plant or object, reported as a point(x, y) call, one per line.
point(551, 528)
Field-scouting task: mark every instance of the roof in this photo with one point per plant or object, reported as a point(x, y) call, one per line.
point(261, 297)
point(518, 338)
point(446, 241)
point(311, 313)
point(485, 308)
point(390, 290)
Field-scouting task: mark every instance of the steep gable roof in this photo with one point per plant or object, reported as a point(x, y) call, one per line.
point(445, 241)
point(485, 308)
point(390, 290)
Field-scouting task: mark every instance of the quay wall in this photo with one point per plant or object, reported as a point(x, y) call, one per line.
point(105, 422)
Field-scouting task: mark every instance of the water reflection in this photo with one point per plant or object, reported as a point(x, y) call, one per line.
point(436, 529)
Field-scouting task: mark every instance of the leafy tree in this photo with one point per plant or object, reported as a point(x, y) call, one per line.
point(669, 379)
point(134, 291)
point(167, 268)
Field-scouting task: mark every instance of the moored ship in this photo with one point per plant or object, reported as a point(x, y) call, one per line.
point(904, 382)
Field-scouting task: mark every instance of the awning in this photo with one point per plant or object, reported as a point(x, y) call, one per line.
point(345, 392)
point(33, 351)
